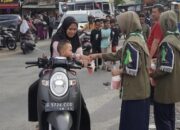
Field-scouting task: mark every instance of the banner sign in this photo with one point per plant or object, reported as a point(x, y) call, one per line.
point(8, 1)
point(46, 2)
point(9, 4)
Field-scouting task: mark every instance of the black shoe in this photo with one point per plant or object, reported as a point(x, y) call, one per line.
point(108, 69)
point(103, 68)
point(106, 83)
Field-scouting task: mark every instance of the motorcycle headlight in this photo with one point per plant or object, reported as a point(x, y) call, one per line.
point(59, 84)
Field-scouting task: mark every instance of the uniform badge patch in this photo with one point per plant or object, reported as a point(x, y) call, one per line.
point(131, 60)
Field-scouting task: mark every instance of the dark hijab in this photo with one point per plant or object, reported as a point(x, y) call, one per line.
point(61, 34)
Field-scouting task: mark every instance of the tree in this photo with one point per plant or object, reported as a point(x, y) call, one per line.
point(119, 2)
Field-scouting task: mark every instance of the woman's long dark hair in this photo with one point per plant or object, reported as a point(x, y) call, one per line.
point(61, 34)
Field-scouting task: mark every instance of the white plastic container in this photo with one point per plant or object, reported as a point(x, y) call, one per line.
point(91, 68)
point(116, 82)
point(153, 66)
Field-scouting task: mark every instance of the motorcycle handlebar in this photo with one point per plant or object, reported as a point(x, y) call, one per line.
point(55, 62)
point(78, 63)
point(31, 62)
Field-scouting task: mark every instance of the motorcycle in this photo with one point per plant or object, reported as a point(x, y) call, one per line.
point(27, 43)
point(60, 105)
point(85, 41)
point(7, 39)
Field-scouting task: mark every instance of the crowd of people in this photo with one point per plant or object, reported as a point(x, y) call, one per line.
point(41, 25)
point(105, 35)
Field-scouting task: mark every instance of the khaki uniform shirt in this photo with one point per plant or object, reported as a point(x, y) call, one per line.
point(168, 83)
point(136, 85)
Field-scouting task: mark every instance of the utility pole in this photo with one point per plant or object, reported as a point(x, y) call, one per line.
point(142, 5)
point(138, 1)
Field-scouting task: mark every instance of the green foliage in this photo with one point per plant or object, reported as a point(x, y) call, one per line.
point(119, 2)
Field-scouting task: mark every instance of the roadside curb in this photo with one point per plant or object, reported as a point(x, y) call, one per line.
point(6, 52)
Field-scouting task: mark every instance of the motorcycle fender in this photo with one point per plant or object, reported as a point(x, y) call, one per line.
point(60, 120)
point(10, 38)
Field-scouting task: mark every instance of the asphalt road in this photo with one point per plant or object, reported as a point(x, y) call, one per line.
point(102, 102)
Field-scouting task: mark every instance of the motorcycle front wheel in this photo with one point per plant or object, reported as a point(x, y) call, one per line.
point(60, 121)
point(11, 45)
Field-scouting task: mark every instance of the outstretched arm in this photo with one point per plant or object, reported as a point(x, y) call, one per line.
point(107, 56)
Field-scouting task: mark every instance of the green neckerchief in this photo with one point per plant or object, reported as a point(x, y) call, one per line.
point(137, 34)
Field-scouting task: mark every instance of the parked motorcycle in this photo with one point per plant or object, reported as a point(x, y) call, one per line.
point(27, 43)
point(85, 41)
point(7, 38)
point(60, 105)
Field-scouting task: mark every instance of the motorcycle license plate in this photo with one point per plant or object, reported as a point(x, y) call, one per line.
point(53, 106)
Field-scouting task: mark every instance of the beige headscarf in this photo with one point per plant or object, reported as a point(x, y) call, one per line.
point(129, 22)
point(168, 21)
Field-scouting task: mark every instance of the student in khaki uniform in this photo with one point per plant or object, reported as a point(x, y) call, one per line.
point(167, 90)
point(134, 57)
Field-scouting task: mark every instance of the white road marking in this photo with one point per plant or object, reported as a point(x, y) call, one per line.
point(152, 126)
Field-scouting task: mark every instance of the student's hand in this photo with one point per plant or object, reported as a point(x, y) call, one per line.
point(152, 82)
point(154, 60)
point(85, 58)
point(116, 71)
point(151, 71)
point(94, 56)
point(85, 63)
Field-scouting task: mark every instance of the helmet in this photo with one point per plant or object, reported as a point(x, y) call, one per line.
point(87, 48)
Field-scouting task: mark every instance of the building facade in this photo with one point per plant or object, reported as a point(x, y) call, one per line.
point(9, 6)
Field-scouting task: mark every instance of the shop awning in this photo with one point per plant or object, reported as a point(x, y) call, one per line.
point(38, 7)
point(9, 6)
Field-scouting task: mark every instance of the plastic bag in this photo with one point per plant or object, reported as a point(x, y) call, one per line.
point(24, 27)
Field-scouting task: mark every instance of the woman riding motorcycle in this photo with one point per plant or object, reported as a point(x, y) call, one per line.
point(67, 31)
